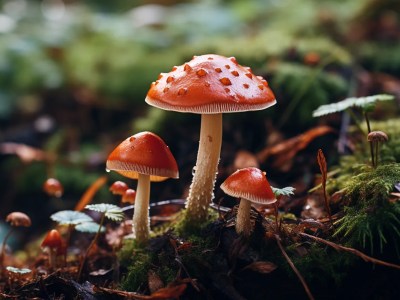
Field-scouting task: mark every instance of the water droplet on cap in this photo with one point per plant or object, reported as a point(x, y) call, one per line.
point(227, 66)
point(235, 73)
point(246, 86)
point(249, 75)
point(166, 90)
point(170, 79)
point(261, 87)
point(218, 70)
point(187, 68)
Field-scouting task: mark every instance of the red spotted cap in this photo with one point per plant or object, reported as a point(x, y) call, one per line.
point(210, 84)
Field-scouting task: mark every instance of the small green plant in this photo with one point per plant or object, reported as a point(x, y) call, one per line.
point(108, 211)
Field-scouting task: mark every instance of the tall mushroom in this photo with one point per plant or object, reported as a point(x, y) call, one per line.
point(209, 85)
point(145, 157)
point(251, 186)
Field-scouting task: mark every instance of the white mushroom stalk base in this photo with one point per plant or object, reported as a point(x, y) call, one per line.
point(201, 189)
point(243, 223)
point(140, 221)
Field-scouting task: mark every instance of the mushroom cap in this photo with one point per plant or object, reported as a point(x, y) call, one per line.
point(118, 188)
point(53, 187)
point(250, 184)
point(143, 153)
point(18, 219)
point(129, 196)
point(210, 84)
point(377, 136)
point(52, 240)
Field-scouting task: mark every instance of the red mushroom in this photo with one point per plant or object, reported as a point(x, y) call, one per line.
point(251, 186)
point(54, 245)
point(129, 196)
point(118, 188)
point(53, 187)
point(209, 85)
point(143, 156)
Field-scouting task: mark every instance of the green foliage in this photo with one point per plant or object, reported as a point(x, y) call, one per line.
point(110, 211)
point(286, 191)
point(370, 221)
point(70, 217)
point(89, 227)
point(322, 266)
point(363, 102)
point(137, 271)
point(18, 270)
point(373, 186)
point(371, 228)
point(388, 59)
point(307, 88)
point(184, 228)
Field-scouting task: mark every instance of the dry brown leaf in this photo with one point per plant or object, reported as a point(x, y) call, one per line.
point(263, 267)
point(25, 153)
point(286, 150)
point(87, 197)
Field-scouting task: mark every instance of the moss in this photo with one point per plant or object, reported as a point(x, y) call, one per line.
point(185, 229)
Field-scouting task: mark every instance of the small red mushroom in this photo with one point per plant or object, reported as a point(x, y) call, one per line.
point(145, 157)
point(251, 186)
point(53, 187)
point(129, 196)
point(118, 188)
point(54, 245)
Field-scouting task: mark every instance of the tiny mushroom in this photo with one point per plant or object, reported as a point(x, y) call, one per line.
point(376, 137)
point(129, 196)
point(251, 186)
point(16, 219)
point(209, 85)
point(145, 157)
point(53, 187)
point(53, 245)
point(118, 188)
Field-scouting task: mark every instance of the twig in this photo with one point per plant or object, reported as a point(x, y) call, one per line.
point(291, 264)
point(352, 250)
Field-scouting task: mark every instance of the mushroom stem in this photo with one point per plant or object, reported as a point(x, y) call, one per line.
point(243, 224)
point(140, 221)
point(3, 248)
point(201, 189)
point(52, 258)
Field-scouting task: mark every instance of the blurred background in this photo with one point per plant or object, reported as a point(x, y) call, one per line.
point(74, 75)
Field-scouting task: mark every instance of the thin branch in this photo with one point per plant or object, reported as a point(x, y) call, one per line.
point(353, 251)
point(291, 264)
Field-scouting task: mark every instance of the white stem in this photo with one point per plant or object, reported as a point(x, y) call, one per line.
point(243, 224)
point(140, 221)
point(201, 189)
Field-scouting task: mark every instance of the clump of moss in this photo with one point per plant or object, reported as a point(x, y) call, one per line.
point(370, 221)
point(185, 229)
point(167, 256)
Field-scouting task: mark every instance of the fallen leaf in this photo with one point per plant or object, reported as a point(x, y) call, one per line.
point(87, 197)
point(286, 150)
point(263, 267)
